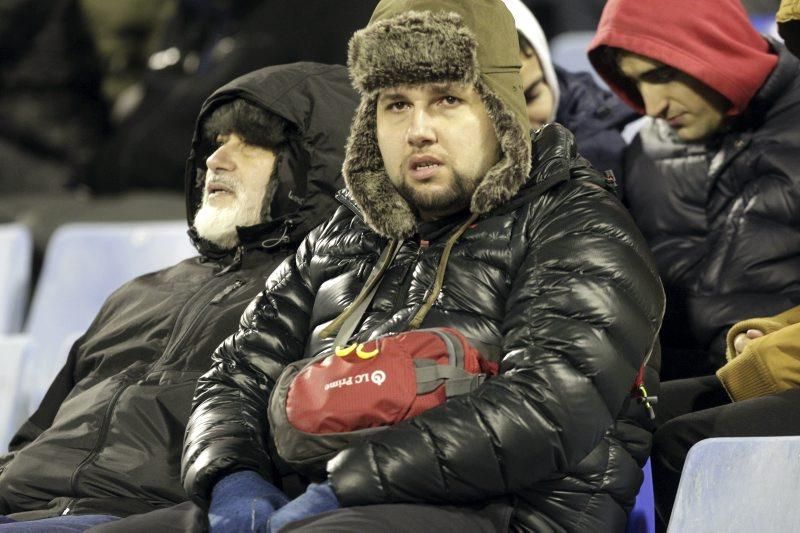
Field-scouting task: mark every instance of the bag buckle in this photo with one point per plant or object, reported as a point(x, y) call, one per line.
point(647, 401)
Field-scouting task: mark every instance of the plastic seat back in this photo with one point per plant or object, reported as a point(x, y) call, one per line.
point(739, 485)
point(84, 263)
point(16, 252)
point(12, 351)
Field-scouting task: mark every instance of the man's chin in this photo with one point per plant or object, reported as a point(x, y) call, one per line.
point(434, 200)
point(217, 223)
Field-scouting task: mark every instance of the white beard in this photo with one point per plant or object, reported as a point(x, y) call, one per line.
point(218, 224)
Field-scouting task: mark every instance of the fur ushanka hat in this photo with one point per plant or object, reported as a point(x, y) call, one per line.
point(411, 42)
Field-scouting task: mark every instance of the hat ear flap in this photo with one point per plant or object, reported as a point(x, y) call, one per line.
point(383, 208)
point(510, 173)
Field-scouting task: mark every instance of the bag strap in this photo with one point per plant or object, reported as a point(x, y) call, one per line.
point(457, 381)
point(536, 190)
point(347, 322)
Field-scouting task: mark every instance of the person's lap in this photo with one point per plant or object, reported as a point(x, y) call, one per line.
point(56, 524)
point(698, 408)
point(407, 518)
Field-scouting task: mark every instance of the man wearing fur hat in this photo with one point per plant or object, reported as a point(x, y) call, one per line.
point(529, 256)
point(713, 179)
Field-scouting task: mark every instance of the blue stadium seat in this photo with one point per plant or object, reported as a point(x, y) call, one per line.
point(12, 350)
point(739, 485)
point(643, 515)
point(568, 51)
point(16, 252)
point(84, 263)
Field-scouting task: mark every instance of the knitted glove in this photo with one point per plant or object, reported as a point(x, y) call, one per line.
point(243, 501)
point(317, 499)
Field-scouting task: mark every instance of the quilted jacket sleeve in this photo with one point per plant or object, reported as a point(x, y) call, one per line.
point(585, 307)
point(768, 365)
point(227, 430)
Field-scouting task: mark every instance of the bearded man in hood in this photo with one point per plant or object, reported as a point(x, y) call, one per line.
point(105, 442)
point(536, 261)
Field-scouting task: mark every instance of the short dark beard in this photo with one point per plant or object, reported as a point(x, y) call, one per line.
point(455, 198)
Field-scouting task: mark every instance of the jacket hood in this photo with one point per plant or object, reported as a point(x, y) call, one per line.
point(426, 41)
point(528, 26)
point(713, 42)
point(318, 101)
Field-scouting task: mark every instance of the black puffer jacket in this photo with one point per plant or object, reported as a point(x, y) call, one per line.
point(560, 283)
point(107, 437)
point(723, 221)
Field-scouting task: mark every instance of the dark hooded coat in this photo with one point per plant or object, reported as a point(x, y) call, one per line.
point(107, 437)
point(721, 216)
point(722, 221)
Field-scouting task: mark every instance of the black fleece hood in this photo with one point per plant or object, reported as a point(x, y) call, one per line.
point(318, 102)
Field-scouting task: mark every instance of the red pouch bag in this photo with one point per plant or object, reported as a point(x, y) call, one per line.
point(319, 405)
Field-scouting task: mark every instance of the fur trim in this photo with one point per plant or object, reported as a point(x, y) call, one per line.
point(415, 48)
point(510, 173)
point(383, 208)
point(443, 48)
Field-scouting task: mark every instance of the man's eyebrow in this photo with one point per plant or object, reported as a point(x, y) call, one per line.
point(390, 96)
point(656, 70)
point(438, 89)
point(651, 72)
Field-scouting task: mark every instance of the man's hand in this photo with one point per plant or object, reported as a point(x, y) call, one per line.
point(742, 339)
point(318, 498)
point(243, 501)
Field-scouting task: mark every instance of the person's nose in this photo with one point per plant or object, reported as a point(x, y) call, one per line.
point(655, 100)
point(221, 158)
point(421, 131)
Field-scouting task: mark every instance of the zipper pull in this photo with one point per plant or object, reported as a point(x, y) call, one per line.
point(235, 264)
point(647, 401)
point(226, 291)
point(284, 238)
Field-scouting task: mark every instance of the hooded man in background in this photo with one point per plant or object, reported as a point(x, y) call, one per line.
point(714, 183)
point(105, 441)
point(552, 94)
point(530, 257)
point(713, 180)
